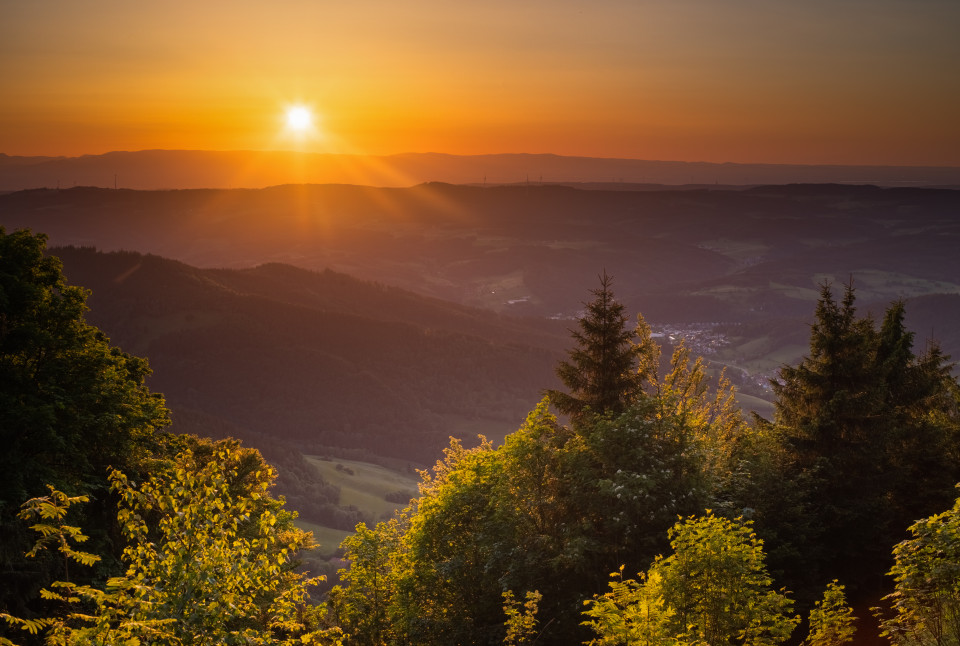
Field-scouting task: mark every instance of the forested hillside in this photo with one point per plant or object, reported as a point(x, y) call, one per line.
point(319, 359)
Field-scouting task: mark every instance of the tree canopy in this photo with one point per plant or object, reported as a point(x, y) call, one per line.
point(926, 601)
point(871, 438)
point(713, 589)
point(71, 404)
point(208, 560)
point(552, 509)
point(503, 544)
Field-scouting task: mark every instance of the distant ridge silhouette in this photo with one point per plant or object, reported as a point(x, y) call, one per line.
point(177, 169)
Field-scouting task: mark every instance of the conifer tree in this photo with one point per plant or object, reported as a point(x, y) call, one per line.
point(601, 373)
point(871, 436)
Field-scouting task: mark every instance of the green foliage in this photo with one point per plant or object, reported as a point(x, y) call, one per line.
point(552, 509)
point(926, 601)
point(208, 561)
point(548, 508)
point(70, 406)
point(521, 623)
point(636, 474)
point(54, 508)
point(717, 584)
point(714, 589)
point(831, 619)
point(71, 403)
point(365, 602)
point(870, 439)
point(601, 373)
point(449, 589)
point(632, 612)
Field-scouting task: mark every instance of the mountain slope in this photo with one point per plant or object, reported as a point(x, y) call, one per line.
point(319, 358)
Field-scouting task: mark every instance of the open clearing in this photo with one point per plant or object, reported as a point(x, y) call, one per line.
point(365, 485)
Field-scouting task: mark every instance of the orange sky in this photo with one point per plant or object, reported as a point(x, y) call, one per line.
point(818, 81)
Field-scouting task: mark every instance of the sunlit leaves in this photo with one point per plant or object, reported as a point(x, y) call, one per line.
point(364, 604)
point(926, 601)
point(831, 619)
point(205, 568)
point(54, 508)
point(208, 561)
point(632, 612)
point(521, 623)
point(70, 406)
point(717, 583)
point(713, 589)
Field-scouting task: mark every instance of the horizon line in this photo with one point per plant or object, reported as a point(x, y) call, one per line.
point(473, 155)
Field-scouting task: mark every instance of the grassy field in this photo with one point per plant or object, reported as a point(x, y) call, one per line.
point(794, 291)
point(362, 485)
point(365, 485)
point(760, 406)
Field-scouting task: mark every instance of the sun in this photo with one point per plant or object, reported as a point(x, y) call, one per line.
point(300, 126)
point(299, 118)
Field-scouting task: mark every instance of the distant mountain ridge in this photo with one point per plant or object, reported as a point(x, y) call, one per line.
point(177, 169)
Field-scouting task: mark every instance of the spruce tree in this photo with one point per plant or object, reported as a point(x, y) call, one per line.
point(871, 436)
point(601, 373)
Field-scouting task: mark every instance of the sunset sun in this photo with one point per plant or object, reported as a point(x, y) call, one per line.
point(299, 119)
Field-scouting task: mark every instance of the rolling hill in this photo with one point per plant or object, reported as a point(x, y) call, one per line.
point(320, 359)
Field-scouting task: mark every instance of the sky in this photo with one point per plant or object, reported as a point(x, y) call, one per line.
point(765, 81)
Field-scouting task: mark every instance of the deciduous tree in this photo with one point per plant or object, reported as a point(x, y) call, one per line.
point(926, 602)
point(209, 560)
point(71, 405)
point(365, 603)
point(713, 589)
